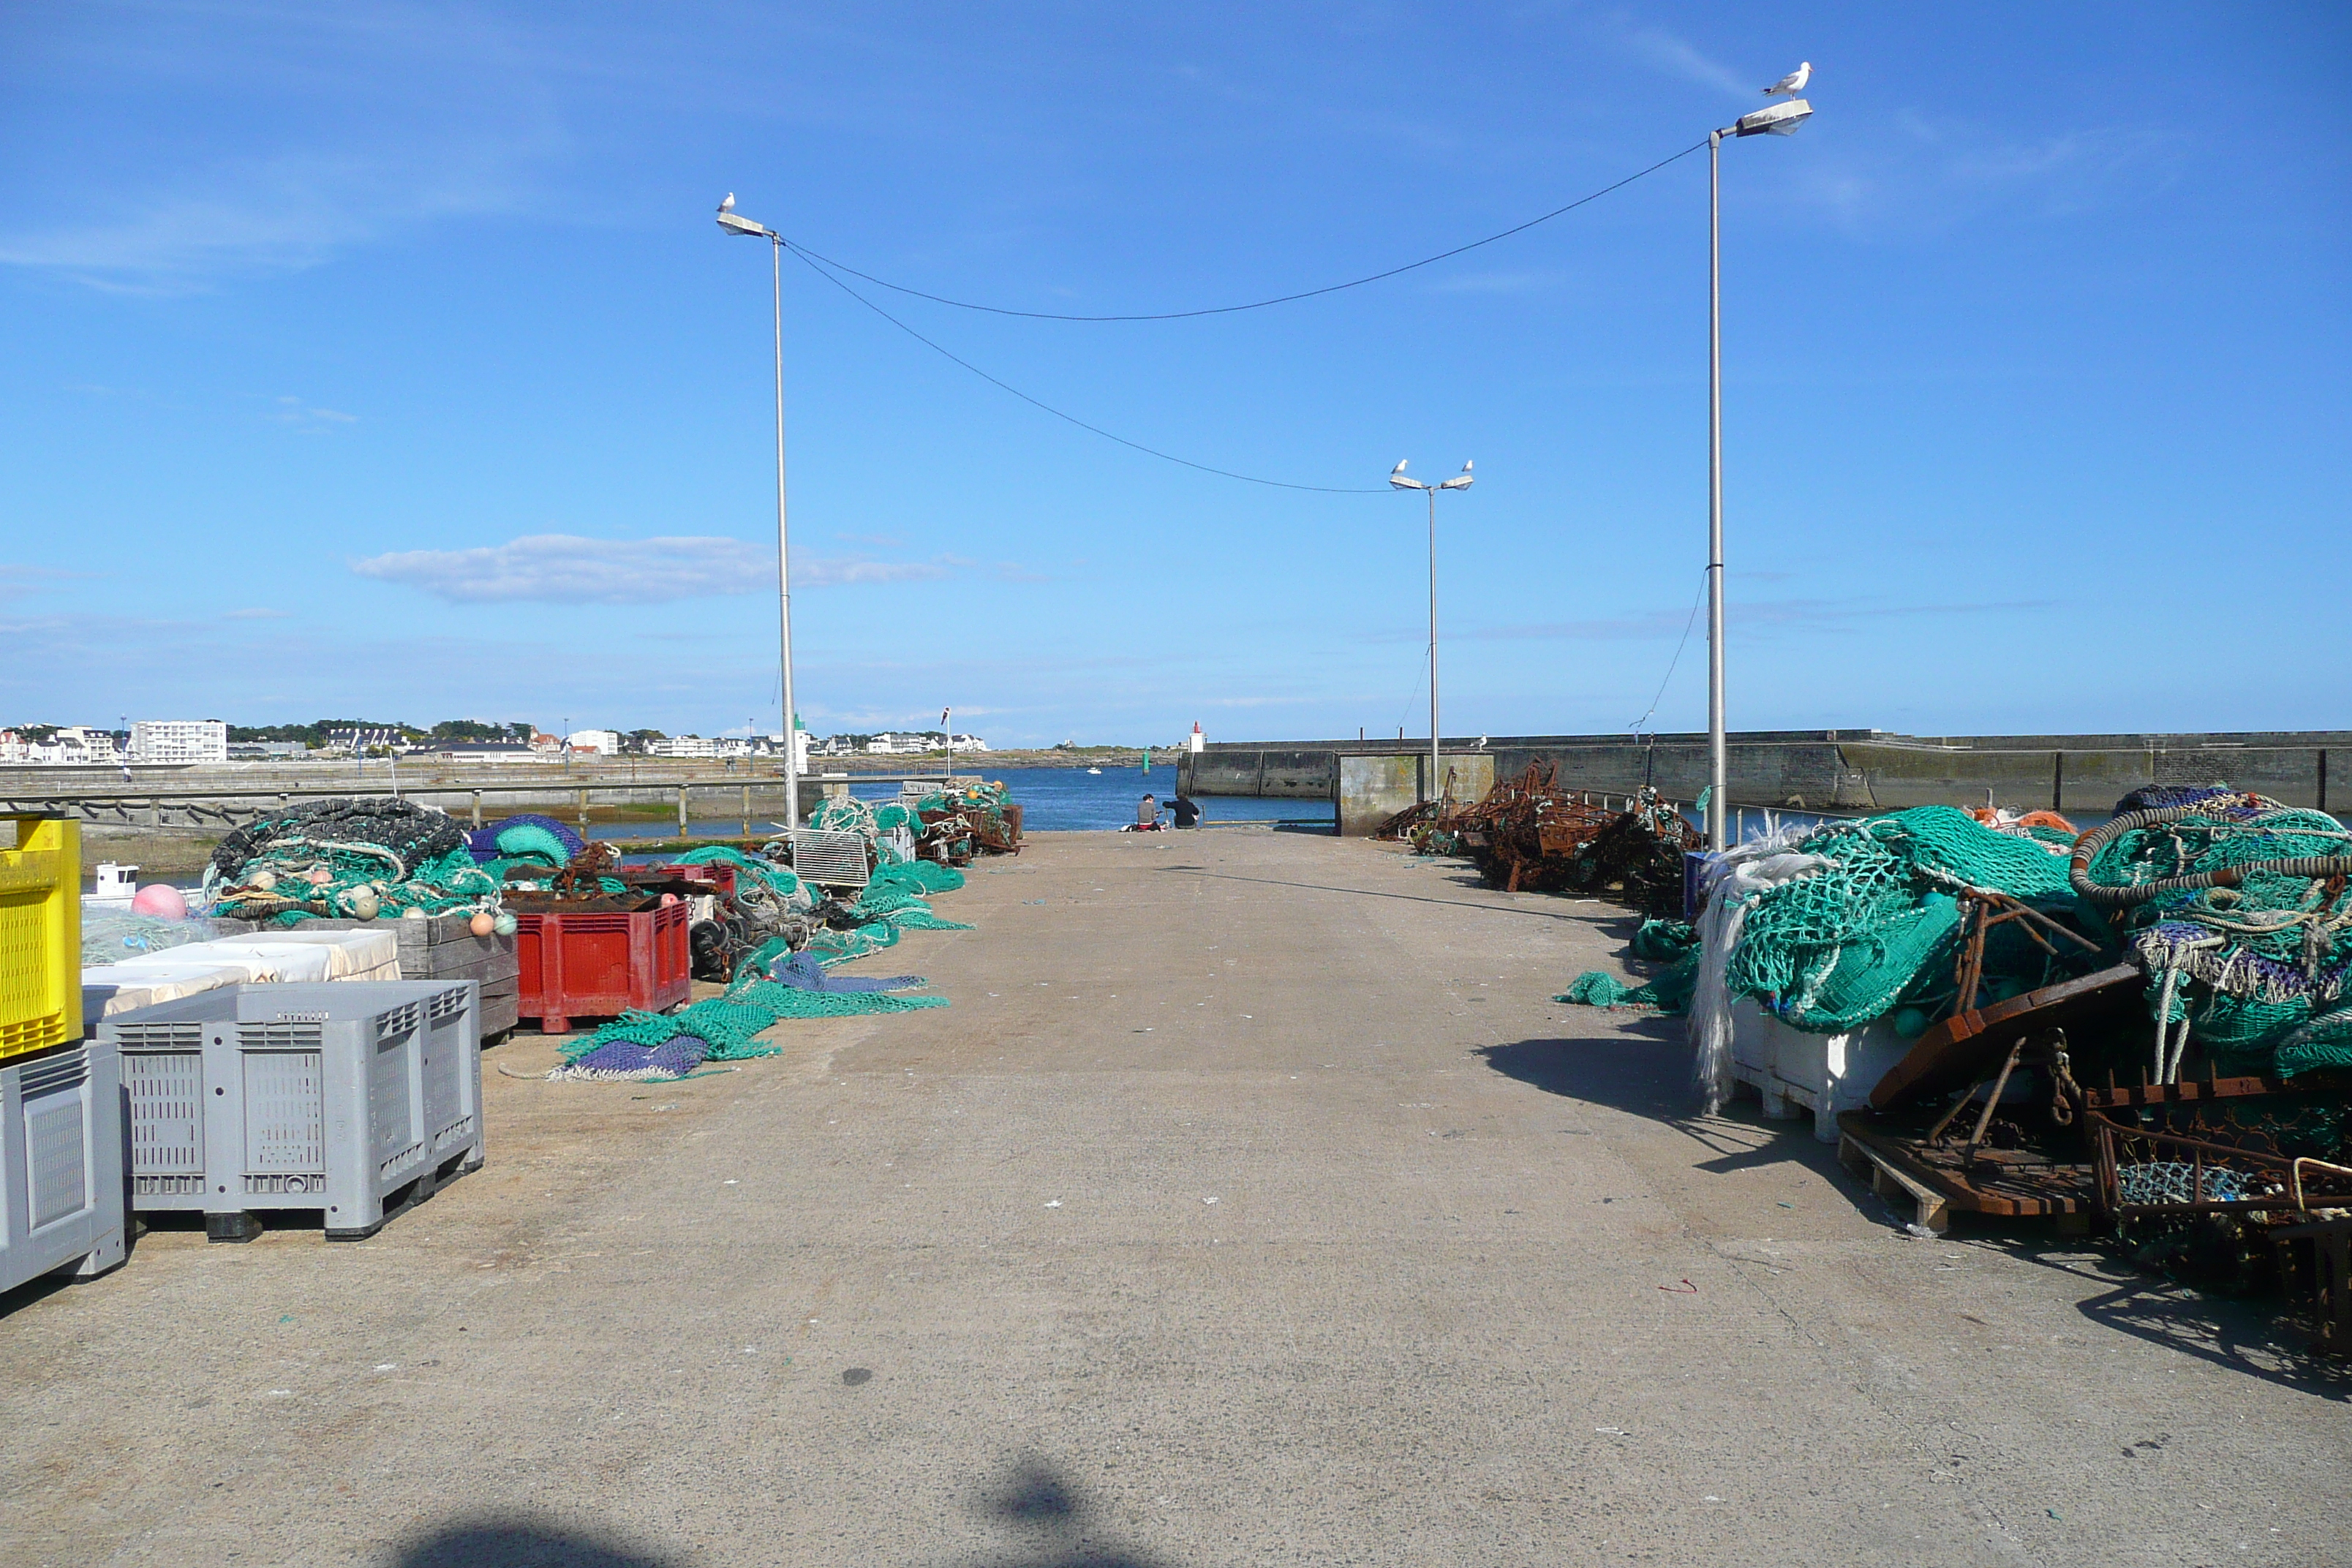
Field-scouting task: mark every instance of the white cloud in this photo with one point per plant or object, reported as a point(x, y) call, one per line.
point(256, 614)
point(1671, 54)
point(407, 115)
point(562, 568)
point(829, 573)
point(566, 569)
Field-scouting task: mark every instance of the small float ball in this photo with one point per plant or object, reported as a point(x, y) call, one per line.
point(668, 899)
point(483, 923)
point(318, 876)
point(1910, 1022)
point(263, 880)
point(505, 924)
point(161, 900)
point(362, 903)
point(412, 913)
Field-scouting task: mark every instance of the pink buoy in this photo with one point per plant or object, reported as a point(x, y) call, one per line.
point(668, 899)
point(161, 900)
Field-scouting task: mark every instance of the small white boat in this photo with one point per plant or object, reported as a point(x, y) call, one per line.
point(1094, 770)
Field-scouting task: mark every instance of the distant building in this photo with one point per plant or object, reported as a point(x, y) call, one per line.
point(179, 741)
point(491, 751)
point(678, 746)
point(68, 745)
point(267, 751)
point(596, 743)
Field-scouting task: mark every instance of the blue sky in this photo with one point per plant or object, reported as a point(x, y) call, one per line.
point(386, 360)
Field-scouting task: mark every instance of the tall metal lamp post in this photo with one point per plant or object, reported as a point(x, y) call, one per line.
point(1780, 119)
point(1460, 481)
point(735, 223)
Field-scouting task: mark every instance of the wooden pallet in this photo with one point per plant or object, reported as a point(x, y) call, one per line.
point(2009, 1183)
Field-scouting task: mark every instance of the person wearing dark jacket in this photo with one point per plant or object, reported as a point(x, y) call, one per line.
point(1187, 810)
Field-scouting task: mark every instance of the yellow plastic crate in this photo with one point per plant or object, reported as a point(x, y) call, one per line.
point(40, 936)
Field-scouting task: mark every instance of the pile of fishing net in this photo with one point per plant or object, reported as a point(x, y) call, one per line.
point(110, 935)
point(646, 1046)
point(2238, 910)
point(525, 838)
point(1831, 928)
point(1660, 941)
point(1875, 924)
point(896, 901)
point(351, 857)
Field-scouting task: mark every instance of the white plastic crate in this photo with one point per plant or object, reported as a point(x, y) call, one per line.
point(60, 1165)
point(349, 1098)
point(829, 859)
point(1794, 1071)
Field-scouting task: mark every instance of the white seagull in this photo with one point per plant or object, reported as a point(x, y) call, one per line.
point(1794, 83)
point(728, 204)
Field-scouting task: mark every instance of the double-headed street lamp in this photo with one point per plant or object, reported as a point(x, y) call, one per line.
point(734, 222)
point(1777, 121)
point(1460, 481)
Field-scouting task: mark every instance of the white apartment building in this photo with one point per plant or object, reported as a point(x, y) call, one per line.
point(682, 746)
point(74, 745)
point(179, 741)
point(603, 742)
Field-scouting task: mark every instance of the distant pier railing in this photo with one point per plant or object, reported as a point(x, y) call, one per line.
point(228, 804)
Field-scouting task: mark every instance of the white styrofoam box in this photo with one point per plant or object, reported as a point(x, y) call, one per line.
point(364, 953)
point(332, 1097)
point(1825, 1074)
point(153, 978)
point(60, 1163)
point(108, 988)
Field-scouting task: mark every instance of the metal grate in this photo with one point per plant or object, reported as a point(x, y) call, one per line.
point(830, 859)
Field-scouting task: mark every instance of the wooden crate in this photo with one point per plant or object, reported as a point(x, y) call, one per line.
point(441, 947)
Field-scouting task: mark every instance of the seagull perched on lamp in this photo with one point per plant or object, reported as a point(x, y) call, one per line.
point(728, 204)
point(1794, 83)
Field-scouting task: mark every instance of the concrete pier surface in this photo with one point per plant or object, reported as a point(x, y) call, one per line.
point(1251, 1204)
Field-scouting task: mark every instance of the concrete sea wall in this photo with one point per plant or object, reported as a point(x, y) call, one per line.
point(1839, 769)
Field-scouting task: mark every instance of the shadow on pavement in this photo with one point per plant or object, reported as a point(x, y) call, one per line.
point(2244, 1336)
point(1062, 1527)
point(509, 1543)
point(1639, 1064)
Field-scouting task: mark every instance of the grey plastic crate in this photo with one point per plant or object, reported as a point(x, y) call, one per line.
point(353, 1098)
point(60, 1163)
point(830, 859)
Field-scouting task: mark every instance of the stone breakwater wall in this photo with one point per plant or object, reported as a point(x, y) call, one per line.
point(1840, 770)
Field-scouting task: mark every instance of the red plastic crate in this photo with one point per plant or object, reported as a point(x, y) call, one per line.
point(601, 965)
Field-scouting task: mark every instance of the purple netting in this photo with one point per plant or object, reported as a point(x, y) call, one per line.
point(805, 972)
point(674, 1057)
point(2155, 797)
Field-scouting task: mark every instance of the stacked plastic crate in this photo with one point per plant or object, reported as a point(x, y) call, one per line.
point(60, 1118)
point(349, 1099)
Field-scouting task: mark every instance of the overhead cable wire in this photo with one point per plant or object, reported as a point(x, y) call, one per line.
point(1677, 659)
point(811, 263)
point(1257, 304)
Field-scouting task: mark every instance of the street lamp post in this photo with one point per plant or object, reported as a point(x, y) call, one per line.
point(1460, 481)
point(1780, 119)
point(734, 223)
